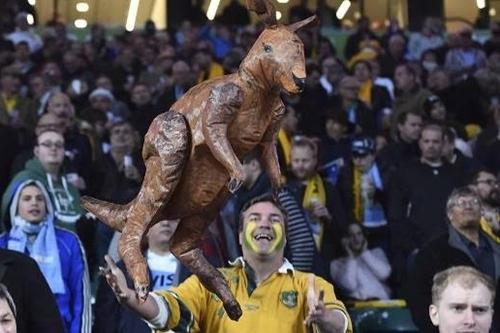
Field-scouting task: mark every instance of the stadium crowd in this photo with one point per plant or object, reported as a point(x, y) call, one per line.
point(391, 156)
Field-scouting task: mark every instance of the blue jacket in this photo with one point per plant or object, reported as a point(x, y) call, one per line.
point(74, 304)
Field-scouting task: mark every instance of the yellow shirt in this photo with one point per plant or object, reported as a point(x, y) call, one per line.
point(278, 304)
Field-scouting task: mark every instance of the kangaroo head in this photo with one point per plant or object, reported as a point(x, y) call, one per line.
point(277, 59)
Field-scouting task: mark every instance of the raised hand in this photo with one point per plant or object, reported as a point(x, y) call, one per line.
point(316, 309)
point(116, 280)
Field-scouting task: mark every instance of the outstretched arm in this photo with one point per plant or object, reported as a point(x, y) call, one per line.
point(221, 107)
point(126, 296)
point(269, 157)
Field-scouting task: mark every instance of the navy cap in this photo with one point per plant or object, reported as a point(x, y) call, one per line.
point(363, 146)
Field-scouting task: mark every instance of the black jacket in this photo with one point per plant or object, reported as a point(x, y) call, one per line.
point(36, 306)
point(439, 254)
point(487, 149)
point(417, 202)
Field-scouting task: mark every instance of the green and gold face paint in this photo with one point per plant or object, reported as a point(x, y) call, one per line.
point(248, 233)
point(276, 244)
point(279, 239)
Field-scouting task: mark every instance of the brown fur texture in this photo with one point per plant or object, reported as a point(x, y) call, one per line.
point(192, 155)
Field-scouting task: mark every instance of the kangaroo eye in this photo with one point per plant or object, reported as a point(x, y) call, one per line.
point(268, 48)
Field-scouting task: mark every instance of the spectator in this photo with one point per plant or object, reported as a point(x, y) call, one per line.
point(363, 192)
point(312, 104)
point(362, 33)
point(7, 311)
point(24, 33)
point(463, 244)
point(256, 181)
point(183, 79)
point(117, 176)
point(428, 62)
point(465, 165)
point(206, 67)
point(376, 97)
point(493, 44)
point(435, 111)
point(360, 118)
point(404, 146)
point(36, 306)
point(464, 59)
point(487, 148)
point(487, 187)
point(335, 146)
point(380, 80)
point(41, 91)
point(428, 38)
point(332, 71)
point(46, 167)
point(22, 61)
point(165, 272)
point(458, 98)
point(395, 55)
point(362, 272)
point(101, 101)
point(319, 198)
point(58, 252)
point(15, 110)
point(462, 299)
point(410, 97)
point(261, 220)
point(142, 109)
point(417, 198)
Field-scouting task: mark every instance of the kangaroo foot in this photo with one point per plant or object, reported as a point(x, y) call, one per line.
point(141, 290)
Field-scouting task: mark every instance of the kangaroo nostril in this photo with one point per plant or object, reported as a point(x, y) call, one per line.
point(299, 82)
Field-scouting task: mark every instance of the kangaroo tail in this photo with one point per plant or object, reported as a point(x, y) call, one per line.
point(113, 215)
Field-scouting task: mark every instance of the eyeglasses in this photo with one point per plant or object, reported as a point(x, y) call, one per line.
point(463, 202)
point(50, 144)
point(491, 182)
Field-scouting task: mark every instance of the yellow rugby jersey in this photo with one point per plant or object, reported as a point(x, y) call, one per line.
point(278, 304)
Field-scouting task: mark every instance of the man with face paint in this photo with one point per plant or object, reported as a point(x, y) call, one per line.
point(274, 297)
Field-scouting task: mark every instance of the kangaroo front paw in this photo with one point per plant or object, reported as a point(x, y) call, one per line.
point(233, 310)
point(234, 185)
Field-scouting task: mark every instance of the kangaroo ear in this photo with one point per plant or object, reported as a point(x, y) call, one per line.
point(263, 8)
point(311, 20)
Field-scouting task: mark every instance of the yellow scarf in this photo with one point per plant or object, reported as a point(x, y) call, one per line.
point(487, 230)
point(286, 144)
point(10, 103)
point(214, 71)
point(358, 209)
point(315, 191)
point(365, 92)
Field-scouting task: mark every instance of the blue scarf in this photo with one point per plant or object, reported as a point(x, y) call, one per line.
point(43, 249)
point(38, 240)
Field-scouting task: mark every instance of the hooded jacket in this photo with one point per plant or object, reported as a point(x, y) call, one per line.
point(64, 197)
point(74, 302)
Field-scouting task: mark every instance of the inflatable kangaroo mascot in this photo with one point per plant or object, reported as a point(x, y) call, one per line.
point(193, 151)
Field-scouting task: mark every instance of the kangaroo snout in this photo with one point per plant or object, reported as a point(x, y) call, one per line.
point(299, 82)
